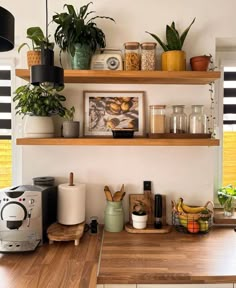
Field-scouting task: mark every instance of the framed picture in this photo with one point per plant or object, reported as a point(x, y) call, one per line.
point(107, 110)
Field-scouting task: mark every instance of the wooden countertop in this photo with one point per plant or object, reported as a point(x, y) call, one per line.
point(169, 258)
point(58, 265)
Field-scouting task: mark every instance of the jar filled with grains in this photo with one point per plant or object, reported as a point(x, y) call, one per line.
point(131, 56)
point(157, 119)
point(148, 56)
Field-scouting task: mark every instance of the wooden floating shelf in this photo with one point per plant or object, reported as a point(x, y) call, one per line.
point(133, 77)
point(117, 142)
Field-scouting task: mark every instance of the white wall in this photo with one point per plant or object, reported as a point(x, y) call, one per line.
point(174, 171)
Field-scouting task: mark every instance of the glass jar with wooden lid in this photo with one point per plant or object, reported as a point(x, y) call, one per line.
point(131, 56)
point(148, 56)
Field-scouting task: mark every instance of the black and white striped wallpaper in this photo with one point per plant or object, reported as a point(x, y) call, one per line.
point(5, 102)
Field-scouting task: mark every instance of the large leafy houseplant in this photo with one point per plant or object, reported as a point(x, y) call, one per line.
point(174, 41)
point(74, 28)
point(38, 101)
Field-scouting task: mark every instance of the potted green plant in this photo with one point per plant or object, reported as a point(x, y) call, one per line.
point(139, 215)
point(38, 104)
point(226, 196)
point(37, 37)
point(78, 36)
point(173, 57)
point(70, 128)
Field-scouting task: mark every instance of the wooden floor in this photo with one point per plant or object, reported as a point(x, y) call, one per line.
point(229, 158)
point(59, 265)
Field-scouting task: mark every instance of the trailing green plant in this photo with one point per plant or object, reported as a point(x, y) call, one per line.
point(139, 208)
point(69, 114)
point(38, 101)
point(226, 193)
point(174, 41)
point(38, 39)
point(74, 28)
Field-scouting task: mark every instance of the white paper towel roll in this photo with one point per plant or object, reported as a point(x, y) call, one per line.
point(71, 204)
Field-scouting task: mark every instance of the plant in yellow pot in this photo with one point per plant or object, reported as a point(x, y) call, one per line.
point(173, 58)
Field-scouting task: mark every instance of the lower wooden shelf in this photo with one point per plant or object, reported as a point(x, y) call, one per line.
point(118, 142)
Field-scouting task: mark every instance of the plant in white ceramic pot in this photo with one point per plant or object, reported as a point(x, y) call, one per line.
point(173, 57)
point(139, 215)
point(38, 104)
point(70, 128)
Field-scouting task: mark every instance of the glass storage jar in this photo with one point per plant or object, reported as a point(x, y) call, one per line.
point(197, 120)
point(178, 120)
point(157, 119)
point(131, 56)
point(148, 56)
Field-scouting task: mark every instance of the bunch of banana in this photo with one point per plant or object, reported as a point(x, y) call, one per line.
point(187, 213)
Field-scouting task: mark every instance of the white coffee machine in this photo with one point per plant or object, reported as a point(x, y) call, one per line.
point(25, 213)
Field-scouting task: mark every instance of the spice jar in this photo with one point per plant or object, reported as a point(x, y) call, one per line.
point(178, 120)
point(197, 120)
point(157, 119)
point(148, 56)
point(131, 56)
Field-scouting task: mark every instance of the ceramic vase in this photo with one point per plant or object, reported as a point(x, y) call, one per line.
point(139, 221)
point(114, 216)
point(70, 129)
point(82, 58)
point(38, 127)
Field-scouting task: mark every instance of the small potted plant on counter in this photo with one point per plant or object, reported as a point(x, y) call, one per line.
point(139, 215)
point(226, 196)
point(79, 36)
point(38, 104)
point(70, 128)
point(173, 58)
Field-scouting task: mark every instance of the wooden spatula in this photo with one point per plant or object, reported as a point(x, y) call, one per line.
point(108, 193)
point(119, 194)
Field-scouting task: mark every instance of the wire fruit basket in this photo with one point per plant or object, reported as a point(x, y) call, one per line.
point(194, 223)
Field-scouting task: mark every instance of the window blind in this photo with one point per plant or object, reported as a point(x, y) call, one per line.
point(5, 102)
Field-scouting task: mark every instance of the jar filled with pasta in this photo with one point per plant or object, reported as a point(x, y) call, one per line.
point(131, 56)
point(148, 56)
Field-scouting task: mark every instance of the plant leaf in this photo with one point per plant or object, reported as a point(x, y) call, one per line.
point(172, 38)
point(164, 46)
point(184, 34)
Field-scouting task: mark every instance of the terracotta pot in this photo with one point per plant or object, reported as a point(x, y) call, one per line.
point(173, 60)
point(200, 63)
point(33, 58)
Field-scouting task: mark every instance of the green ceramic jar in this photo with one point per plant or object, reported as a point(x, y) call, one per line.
point(114, 217)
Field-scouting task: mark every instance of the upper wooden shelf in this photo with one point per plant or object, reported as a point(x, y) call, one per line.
point(133, 77)
point(117, 142)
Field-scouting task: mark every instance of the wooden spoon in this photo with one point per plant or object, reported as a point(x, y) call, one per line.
point(108, 193)
point(118, 196)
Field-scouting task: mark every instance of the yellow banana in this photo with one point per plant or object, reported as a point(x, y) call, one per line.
point(192, 210)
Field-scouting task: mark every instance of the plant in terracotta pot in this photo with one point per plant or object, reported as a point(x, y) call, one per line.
point(38, 39)
point(200, 63)
point(79, 36)
point(139, 215)
point(38, 104)
point(173, 57)
point(70, 128)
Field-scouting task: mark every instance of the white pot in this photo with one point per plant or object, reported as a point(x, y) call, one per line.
point(139, 221)
point(38, 127)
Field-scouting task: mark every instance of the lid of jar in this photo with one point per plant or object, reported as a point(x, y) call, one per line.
point(178, 105)
point(158, 106)
point(131, 45)
point(148, 45)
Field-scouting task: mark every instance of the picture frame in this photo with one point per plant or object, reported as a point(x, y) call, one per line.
point(107, 110)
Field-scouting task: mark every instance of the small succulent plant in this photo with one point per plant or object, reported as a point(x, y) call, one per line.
point(139, 208)
point(174, 41)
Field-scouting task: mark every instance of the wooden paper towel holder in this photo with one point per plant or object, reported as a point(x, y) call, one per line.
point(59, 232)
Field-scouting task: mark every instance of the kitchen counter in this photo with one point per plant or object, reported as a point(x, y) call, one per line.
point(61, 264)
point(126, 258)
point(169, 258)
